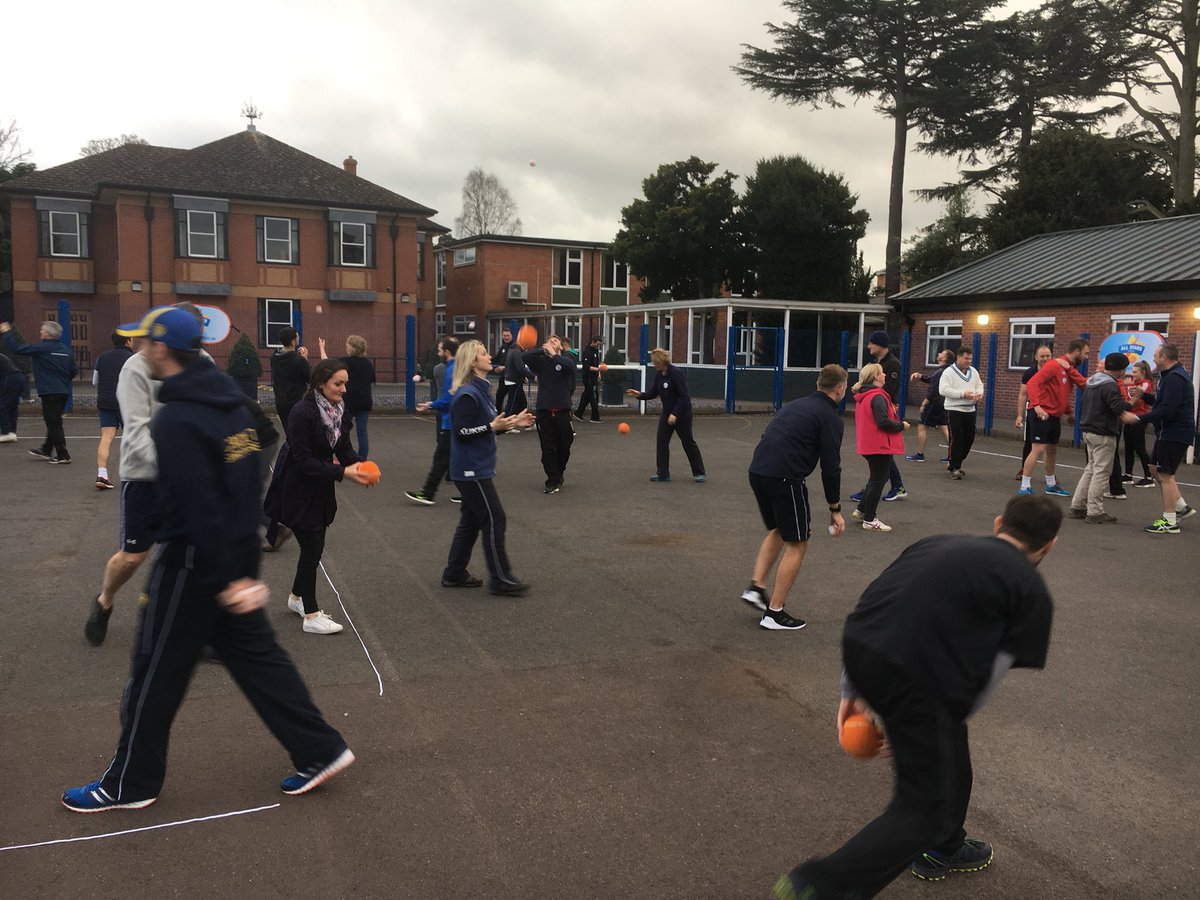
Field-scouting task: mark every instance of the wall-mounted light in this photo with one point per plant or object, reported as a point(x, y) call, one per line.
point(1196, 312)
point(404, 298)
point(983, 319)
point(135, 286)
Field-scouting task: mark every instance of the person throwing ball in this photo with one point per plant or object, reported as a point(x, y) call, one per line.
point(923, 659)
point(670, 388)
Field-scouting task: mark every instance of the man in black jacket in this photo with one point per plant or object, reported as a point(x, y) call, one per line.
point(498, 358)
point(555, 371)
point(105, 372)
point(591, 372)
point(204, 586)
point(290, 372)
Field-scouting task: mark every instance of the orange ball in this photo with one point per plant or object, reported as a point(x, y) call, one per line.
point(860, 738)
point(370, 470)
point(623, 428)
point(527, 337)
point(603, 367)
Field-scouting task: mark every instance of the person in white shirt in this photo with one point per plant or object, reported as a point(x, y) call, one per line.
point(962, 387)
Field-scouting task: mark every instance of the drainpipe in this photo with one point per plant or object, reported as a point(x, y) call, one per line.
point(394, 231)
point(148, 212)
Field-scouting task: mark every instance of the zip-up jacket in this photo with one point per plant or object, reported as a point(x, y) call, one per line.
point(555, 375)
point(1102, 405)
point(1050, 388)
point(442, 403)
point(591, 362)
point(670, 388)
point(955, 384)
point(105, 373)
point(290, 373)
point(137, 396)
point(208, 481)
point(876, 428)
point(53, 364)
point(1173, 409)
point(472, 441)
point(805, 432)
point(891, 372)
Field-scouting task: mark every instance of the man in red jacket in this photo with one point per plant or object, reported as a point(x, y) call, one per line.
point(1049, 394)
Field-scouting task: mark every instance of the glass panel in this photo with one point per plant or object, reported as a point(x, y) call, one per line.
point(802, 340)
point(279, 230)
point(832, 326)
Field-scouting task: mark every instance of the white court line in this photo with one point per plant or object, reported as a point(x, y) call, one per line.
point(1059, 465)
point(96, 837)
point(355, 627)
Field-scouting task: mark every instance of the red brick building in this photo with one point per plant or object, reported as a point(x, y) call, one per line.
point(265, 232)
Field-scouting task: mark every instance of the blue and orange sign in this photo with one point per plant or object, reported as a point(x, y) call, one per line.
point(1134, 344)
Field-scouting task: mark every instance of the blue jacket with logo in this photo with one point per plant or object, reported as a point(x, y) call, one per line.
point(53, 363)
point(670, 387)
point(442, 403)
point(472, 441)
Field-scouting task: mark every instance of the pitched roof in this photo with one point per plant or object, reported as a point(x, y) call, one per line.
point(1159, 253)
point(247, 165)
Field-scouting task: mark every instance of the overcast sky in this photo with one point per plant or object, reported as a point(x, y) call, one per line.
point(598, 94)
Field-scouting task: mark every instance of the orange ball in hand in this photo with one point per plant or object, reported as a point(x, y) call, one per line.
point(603, 367)
point(623, 428)
point(370, 471)
point(860, 738)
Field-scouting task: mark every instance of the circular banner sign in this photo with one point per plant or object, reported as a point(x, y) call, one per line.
point(1134, 344)
point(216, 324)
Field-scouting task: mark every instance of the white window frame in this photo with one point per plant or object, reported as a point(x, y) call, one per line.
point(439, 324)
point(1034, 334)
point(944, 324)
point(344, 227)
point(464, 324)
point(268, 321)
point(196, 232)
point(55, 232)
point(268, 240)
point(619, 324)
point(1140, 322)
point(574, 261)
point(616, 272)
point(464, 257)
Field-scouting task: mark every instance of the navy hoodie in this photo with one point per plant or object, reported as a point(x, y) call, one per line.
point(670, 388)
point(1173, 412)
point(208, 476)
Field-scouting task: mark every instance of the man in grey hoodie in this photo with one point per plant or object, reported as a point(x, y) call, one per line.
point(1101, 415)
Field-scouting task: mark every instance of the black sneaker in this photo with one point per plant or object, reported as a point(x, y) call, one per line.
point(779, 620)
point(61, 461)
point(972, 856)
point(40, 453)
point(1144, 483)
point(1127, 479)
point(552, 487)
point(419, 497)
point(577, 417)
point(508, 588)
point(96, 628)
point(757, 596)
point(1186, 513)
point(456, 499)
point(466, 579)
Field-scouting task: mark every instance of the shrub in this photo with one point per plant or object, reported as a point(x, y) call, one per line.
point(243, 360)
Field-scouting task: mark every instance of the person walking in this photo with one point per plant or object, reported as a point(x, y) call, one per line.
point(498, 358)
point(1101, 414)
point(1173, 415)
point(474, 424)
point(591, 374)
point(877, 435)
point(302, 496)
point(1049, 399)
point(12, 386)
point(439, 469)
point(53, 371)
point(879, 348)
point(924, 661)
point(105, 373)
point(669, 387)
point(359, 401)
point(961, 387)
point(204, 588)
point(290, 373)
point(1135, 435)
point(1041, 356)
point(555, 371)
point(932, 413)
point(804, 433)
point(515, 376)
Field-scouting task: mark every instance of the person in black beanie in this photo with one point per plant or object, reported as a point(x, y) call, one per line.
point(878, 346)
point(555, 371)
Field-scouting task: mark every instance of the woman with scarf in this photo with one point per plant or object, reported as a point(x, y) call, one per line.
point(318, 453)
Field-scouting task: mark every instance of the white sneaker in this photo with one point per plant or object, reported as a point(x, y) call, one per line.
point(876, 525)
point(8, 438)
point(296, 605)
point(321, 624)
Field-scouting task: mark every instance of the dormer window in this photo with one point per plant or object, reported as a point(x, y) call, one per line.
point(63, 227)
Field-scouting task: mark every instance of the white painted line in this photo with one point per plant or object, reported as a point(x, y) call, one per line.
point(378, 677)
point(1059, 465)
point(96, 837)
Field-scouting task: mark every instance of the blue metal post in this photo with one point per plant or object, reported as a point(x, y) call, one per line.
point(904, 346)
point(730, 367)
point(64, 319)
point(780, 354)
point(1077, 438)
point(298, 324)
point(844, 362)
point(644, 340)
point(410, 367)
point(975, 342)
point(989, 390)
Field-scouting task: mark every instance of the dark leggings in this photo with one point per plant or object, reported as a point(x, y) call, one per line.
point(304, 585)
point(1135, 442)
point(52, 415)
point(879, 465)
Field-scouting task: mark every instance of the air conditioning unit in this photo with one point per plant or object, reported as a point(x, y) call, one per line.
point(518, 290)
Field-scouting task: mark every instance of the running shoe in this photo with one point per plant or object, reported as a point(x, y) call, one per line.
point(296, 605)
point(91, 798)
point(103, 484)
point(320, 624)
point(1109, 495)
point(60, 461)
point(896, 494)
point(857, 496)
point(1127, 479)
point(857, 514)
point(875, 525)
point(1144, 483)
point(39, 453)
point(1025, 491)
point(1073, 513)
point(916, 457)
point(315, 775)
point(779, 620)
point(465, 580)
point(700, 479)
point(1186, 513)
point(508, 588)
point(1057, 490)
point(1161, 526)
point(96, 627)
point(757, 596)
point(972, 856)
point(956, 474)
point(1102, 519)
point(660, 479)
point(419, 497)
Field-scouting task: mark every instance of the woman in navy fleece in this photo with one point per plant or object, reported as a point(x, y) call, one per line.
point(670, 387)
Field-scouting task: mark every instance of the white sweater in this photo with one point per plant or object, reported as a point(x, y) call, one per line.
point(955, 384)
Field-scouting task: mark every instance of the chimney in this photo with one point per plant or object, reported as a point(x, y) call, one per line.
point(350, 164)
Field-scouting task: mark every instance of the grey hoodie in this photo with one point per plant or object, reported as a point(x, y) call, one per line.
point(1100, 411)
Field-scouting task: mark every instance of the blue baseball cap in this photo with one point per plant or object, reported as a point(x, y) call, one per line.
point(177, 328)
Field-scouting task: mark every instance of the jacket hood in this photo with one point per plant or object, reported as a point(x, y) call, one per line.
point(202, 382)
point(867, 392)
point(1098, 378)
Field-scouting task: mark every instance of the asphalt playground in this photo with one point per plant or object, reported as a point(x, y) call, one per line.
point(624, 731)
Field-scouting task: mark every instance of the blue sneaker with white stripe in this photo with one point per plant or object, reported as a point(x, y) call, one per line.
point(1057, 490)
point(92, 798)
point(313, 776)
point(1025, 492)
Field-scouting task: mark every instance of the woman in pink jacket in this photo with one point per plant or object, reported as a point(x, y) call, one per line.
point(877, 435)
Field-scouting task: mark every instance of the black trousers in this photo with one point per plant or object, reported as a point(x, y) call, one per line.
point(1115, 484)
point(11, 387)
point(515, 401)
point(481, 515)
point(304, 585)
point(1135, 443)
point(591, 397)
point(556, 436)
point(878, 464)
point(683, 428)
point(440, 469)
point(181, 616)
point(502, 390)
point(933, 784)
point(962, 436)
point(52, 415)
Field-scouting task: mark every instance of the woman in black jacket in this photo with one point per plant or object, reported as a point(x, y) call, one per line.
point(317, 455)
point(670, 387)
point(359, 401)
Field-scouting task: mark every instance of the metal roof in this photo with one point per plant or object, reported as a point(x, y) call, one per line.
point(1160, 253)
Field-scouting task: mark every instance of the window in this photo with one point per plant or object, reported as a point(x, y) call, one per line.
point(439, 271)
point(439, 325)
point(1156, 322)
point(1025, 336)
point(615, 275)
point(702, 336)
point(568, 268)
point(273, 315)
point(200, 233)
point(352, 243)
point(619, 334)
point(463, 324)
point(63, 227)
point(278, 240)
point(64, 234)
point(420, 256)
point(464, 257)
point(941, 336)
